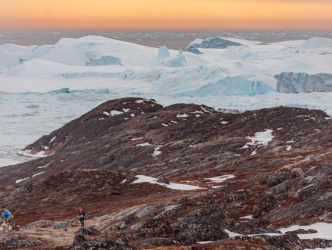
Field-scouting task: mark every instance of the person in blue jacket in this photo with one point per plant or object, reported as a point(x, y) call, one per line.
point(8, 218)
point(81, 215)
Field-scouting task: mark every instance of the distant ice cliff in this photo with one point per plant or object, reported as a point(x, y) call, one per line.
point(290, 82)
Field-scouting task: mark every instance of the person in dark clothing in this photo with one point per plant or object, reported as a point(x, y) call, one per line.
point(81, 214)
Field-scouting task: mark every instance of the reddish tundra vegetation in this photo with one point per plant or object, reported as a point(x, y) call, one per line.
point(240, 173)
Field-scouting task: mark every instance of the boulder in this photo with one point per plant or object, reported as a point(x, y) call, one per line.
point(266, 204)
point(18, 242)
point(156, 241)
point(87, 231)
point(103, 243)
point(162, 179)
point(239, 195)
point(79, 238)
point(204, 224)
point(280, 176)
point(170, 211)
point(248, 227)
point(40, 224)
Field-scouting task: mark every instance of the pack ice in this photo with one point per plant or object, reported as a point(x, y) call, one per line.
point(221, 67)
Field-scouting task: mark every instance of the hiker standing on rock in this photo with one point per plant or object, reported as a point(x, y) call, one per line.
point(8, 218)
point(81, 214)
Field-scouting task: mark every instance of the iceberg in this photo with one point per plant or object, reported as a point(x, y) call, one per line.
point(290, 82)
point(178, 61)
point(165, 59)
point(317, 42)
point(212, 43)
point(105, 60)
point(194, 50)
point(228, 86)
point(163, 53)
point(327, 78)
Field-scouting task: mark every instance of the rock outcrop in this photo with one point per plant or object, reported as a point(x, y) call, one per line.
point(17, 241)
point(102, 243)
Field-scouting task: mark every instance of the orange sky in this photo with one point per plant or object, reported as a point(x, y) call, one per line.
point(166, 14)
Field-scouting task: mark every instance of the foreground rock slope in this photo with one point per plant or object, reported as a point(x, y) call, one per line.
point(249, 173)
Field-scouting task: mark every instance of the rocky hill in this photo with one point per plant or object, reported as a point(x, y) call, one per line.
point(247, 173)
point(180, 140)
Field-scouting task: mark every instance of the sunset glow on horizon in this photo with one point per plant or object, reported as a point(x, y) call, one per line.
point(166, 14)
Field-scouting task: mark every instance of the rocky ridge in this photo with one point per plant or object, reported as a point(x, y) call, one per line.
point(254, 172)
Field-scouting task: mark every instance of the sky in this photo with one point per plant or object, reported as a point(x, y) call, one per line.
point(166, 14)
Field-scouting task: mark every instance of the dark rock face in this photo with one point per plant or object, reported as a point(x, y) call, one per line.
point(312, 189)
point(18, 242)
point(266, 204)
point(82, 240)
point(238, 195)
point(205, 224)
point(287, 241)
point(79, 238)
point(280, 176)
point(103, 243)
point(40, 224)
point(290, 241)
point(88, 231)
point(170, 211)
point(316, 243)
point(250, 227)
point(304, 210)
point(164, 180)
point(156, 241)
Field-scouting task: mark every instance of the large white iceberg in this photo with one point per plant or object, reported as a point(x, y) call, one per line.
point(316, 42)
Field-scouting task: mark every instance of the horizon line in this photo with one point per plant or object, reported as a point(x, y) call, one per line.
point(152, 29)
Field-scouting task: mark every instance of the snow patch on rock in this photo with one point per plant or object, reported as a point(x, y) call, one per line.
point(152, 180)
point(260, 138)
